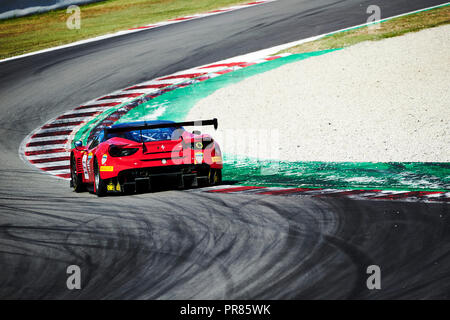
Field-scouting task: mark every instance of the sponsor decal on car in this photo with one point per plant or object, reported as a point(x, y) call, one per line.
point(106, 168)
point(216, 159)
point(104, 159)
point(198, 157)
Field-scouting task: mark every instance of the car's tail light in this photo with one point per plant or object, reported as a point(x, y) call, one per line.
point(116, 151)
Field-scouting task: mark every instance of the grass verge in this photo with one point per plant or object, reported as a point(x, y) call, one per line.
point(387, 29)
point(41, 31)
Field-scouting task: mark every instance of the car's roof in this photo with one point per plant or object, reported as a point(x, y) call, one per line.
point(139, 123)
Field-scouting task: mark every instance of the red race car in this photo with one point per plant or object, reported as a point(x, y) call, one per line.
point(138, 156)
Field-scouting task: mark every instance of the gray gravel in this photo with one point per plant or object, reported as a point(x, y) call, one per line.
point(375, 101)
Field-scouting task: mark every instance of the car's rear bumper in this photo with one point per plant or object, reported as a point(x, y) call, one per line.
point(147, 178)
point(156, 163)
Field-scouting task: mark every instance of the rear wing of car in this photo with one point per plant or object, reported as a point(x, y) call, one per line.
point(212, 122)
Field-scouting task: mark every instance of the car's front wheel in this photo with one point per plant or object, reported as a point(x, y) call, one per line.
point(99, 183)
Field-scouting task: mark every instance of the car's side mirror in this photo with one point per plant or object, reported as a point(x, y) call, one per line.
point(78, 144)
point(196, 132)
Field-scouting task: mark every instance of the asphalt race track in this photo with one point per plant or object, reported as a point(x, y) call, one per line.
point(182, 245)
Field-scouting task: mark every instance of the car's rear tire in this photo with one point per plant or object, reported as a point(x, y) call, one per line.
point(76, 181)
point(215, 177)
point(99, 183)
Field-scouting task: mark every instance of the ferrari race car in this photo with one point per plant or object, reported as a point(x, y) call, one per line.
point(138, 156)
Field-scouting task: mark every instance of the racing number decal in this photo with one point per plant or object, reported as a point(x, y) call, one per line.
point(85, 166)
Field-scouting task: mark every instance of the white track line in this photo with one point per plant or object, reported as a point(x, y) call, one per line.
point(40, 139)
point(47, 147)
point(53, 164)
point(48, 130)
point(49, 156)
